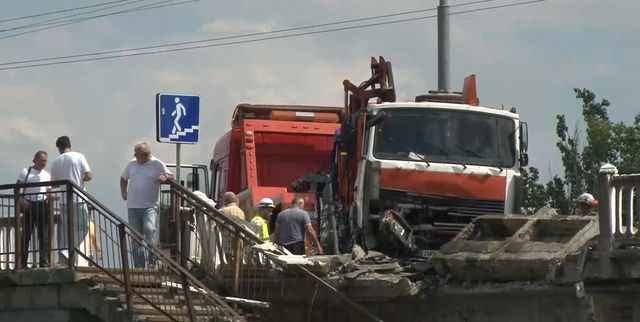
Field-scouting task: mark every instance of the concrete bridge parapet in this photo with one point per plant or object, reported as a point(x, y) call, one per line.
point(55, 295)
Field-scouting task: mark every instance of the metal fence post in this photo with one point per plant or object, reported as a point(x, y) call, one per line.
point(187, 297)
point(605, 217)
point(185, 239)
point(17, 265)
point(51, 230)
point(312, 302)
point(71, 224)
point(174, 210)
point(124, 259)
point(238, 260)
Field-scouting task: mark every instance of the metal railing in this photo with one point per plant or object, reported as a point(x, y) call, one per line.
point(100, 239)
point(225, 249)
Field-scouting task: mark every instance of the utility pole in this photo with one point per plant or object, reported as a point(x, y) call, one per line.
point(443, 46)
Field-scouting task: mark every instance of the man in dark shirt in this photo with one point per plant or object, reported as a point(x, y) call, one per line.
point(292, 225)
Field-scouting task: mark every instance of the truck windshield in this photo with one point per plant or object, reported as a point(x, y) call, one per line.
point(435, 135)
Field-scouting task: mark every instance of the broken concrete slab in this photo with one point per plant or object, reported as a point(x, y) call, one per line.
point(514, 247)
point(357, 252)
point(374, 285)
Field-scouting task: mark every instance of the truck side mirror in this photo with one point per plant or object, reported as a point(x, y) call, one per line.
point(376, 119)
point(524, 137)
point(524, 159)
point(524, 144)
point(193, 181)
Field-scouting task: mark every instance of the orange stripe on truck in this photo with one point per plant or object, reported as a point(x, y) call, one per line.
point(485, 187)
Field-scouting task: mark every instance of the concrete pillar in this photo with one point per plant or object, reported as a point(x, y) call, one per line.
point(606, 217)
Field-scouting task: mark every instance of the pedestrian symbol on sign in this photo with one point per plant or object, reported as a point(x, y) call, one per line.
point(182, 124)
point(178, 114)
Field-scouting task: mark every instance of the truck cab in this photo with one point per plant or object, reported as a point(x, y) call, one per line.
point(412, 174)
point(438, 165)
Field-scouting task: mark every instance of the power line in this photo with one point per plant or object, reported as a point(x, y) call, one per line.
point(240, 36)
point(239, 42)
point(130, 10)
point(61, 11)
point(61, 20)
point(262, 33)
point(78, 20)
point(153, 52)
point(58, 20)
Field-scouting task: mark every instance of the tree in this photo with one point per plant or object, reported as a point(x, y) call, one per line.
point(615, 143)
point(557, 196)
point(568, 146)
point(533, 193)
point(599, 147)
point(627, 146)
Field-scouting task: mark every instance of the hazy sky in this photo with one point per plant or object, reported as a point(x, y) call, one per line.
point(528, 56)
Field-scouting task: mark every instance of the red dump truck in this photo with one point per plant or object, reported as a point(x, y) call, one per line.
point(401, 177)
point(271, 147)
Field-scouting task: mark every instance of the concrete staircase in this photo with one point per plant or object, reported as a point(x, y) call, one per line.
point(164, 292)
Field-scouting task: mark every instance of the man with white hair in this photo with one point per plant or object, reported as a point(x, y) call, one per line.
point(140, 187)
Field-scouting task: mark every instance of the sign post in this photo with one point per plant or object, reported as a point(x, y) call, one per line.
point(178, 121)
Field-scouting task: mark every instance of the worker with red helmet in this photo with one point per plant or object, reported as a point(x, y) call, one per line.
point(585, 205)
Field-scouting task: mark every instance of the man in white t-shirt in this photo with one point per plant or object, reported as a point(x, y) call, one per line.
point(35, 208)
point(72, 166)
point(140, 187)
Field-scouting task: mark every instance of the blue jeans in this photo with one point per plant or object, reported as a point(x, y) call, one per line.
point(81, 228)
point(143, 220)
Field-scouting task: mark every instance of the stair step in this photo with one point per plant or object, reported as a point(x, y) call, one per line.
point(162, 300)
point(158, 318)
point(179, 310)
point(136, 280)
point(92, 269)
point(151, 284)
point(152, 318)
point(112, 289)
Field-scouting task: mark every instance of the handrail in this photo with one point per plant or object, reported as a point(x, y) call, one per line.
point(33, 184)
point(219, 215)
point(185, 275)
point(248, 264)
point(77, 220)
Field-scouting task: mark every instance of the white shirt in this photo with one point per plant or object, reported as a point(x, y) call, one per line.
point(144, 185)
point(34, 176)
point(70, 166)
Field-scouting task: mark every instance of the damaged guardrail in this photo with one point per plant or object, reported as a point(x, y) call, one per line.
point(228, 252)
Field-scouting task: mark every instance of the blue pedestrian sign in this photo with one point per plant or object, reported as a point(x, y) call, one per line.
point(178, 118)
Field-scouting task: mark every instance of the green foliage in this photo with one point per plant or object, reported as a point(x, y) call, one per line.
point(615, 143)
point(599, 147)
point(568, 146)
point(533, 194)
point(627, 146)
point(556, 195)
